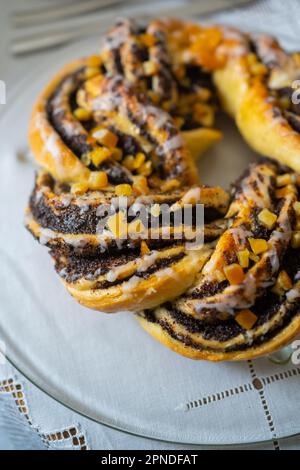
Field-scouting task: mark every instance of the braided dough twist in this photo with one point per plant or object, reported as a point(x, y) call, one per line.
point(129, 122)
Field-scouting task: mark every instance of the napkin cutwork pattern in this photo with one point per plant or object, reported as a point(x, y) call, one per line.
point(258, 385)
point(70, 437)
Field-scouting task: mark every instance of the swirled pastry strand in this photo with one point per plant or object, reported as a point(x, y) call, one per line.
point(245, 301)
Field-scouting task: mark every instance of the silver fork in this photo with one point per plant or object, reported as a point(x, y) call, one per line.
point(45, 14)
point(42, 40)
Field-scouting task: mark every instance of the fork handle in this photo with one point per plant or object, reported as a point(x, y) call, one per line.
point(35, 43)
point(38, 43)
point(50, 14)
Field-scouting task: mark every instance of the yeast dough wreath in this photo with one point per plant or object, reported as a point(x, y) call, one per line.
point(124, 128)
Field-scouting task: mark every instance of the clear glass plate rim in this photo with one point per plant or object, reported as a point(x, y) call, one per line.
point(144, 436)
point(15, 92)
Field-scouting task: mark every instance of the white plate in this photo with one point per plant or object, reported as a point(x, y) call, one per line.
point(107, 367)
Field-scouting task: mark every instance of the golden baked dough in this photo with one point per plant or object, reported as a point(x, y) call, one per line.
point(234, 313)
point(125, 127)
point(110, 274)
point(265, 113)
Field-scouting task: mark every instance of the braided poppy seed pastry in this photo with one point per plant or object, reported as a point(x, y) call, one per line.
point(105, 271)
point(255, 80)
point(120, 130)
point(101, 135)
point(246, 299)
point(135, 61)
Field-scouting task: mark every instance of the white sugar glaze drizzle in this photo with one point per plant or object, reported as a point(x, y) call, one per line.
point(192, 196)
point(106, 102)
point(63, 272)
point(220, 307)
point(211, 266)
point(142, 264)
point(39, 194)
point(151, 291)
point(161, 117)
point(121, 202)
point(115, 40)
point(240, 296)
point(131, 283)
point(274, 259)
point(269, 51)
point(275, 120)
point(109, 100)
point(249, 336)
point(76, 241)
point(240, 235)
point(244, 295)
point(65, 200)
point(136, 207)
point(51, 145)
point(147, 261)
point(167, 273)
point(73, 128)
point(174, 143)
point(113, 274)
point(293, 295)
point(237, 50)
point(233, 34)
point(51, 140)
point(283, 78)
point(147, 200)
point(261, 196)
point(46, 234)
point(93, 276)
point(259, 276)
